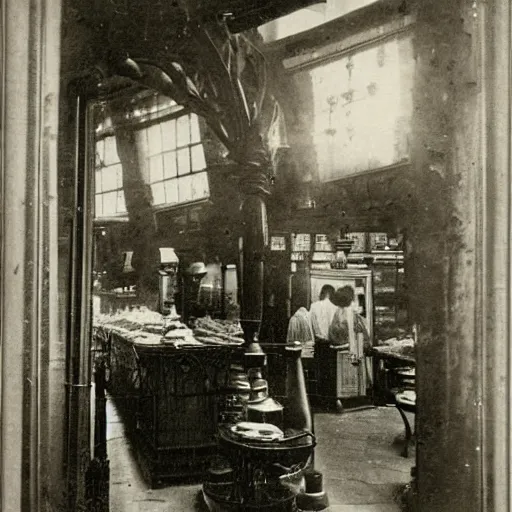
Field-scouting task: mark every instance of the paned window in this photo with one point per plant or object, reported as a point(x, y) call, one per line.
point(362, 107)
point(176, 166)
point(109, 194)
point(176, 162)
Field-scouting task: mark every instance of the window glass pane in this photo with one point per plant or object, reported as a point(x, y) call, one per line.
point(196, 191)
point(169, 135)
point(119, 174)
point(198, 161)
point(98, 181)
point(154, 139)
point(183, 161)
point(121, 205)
point(183, 128)
point(170, 170)
point(376, 79)
point(99, 205)
point(109, 203)
point(110, 151)
point(200, 188)
point(195, 134)
point(171, 191)
point(156, 171)
point(185, 188)
point(158, 193)
point(100, 157)
point(109, 178)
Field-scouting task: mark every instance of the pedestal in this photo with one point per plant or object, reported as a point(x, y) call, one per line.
point(264, 476)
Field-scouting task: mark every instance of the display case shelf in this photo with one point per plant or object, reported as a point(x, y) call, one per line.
point(390, 299)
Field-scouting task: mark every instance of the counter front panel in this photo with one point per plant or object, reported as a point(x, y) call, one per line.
point(168, 398)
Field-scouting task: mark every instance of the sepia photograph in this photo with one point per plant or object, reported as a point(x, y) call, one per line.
point(256, 256)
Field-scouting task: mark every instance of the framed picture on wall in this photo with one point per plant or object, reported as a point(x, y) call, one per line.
point(277, 243)
point(359, 241)
point(378, 241)
point(301, 242)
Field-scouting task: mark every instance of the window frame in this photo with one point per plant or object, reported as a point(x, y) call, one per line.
point(161, 120)
point(303, 52)
point(116, 215)
point(170, 113)
point(317, 57)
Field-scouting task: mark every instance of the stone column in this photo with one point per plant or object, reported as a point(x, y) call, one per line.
point(31, 356)
point(444, 255)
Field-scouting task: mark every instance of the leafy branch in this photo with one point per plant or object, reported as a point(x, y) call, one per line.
point(228, 88)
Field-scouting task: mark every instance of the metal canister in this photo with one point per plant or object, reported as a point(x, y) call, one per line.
point(236, 396)
point(267, 410)
point(167, 274)
point(261, 408)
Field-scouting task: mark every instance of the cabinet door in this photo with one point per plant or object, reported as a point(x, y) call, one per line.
point(352, 380)
point(348, 377)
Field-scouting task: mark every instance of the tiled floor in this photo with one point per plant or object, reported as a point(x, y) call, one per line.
point(358, 453)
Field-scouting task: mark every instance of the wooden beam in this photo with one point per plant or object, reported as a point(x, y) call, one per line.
point(245, 17)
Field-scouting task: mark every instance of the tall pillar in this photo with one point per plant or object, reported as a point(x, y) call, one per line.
point(496, 36)
point(28, 267)
point(255, 241)
point(446, 256)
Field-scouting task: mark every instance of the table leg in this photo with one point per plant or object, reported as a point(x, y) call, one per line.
point(408, 431)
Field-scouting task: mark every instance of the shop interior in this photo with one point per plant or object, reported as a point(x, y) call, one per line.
point(255, 255)
point(209, 255)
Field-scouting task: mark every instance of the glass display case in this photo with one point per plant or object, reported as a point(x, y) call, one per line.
point(341, 380)
point(390, 301)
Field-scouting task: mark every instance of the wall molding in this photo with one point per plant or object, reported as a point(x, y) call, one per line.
point(496, 269)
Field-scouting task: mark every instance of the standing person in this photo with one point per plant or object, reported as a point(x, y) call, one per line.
point(322, 312)
point(299, 327)
point(348, 328)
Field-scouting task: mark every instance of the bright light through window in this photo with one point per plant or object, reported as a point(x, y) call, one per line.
point(109, 197)
point(176, 166)
point(362, 107)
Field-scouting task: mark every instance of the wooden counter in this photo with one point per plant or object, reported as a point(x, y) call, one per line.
point(386, 361)
point(168, 398)
point(393, 355)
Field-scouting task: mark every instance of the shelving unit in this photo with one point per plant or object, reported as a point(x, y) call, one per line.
point(390, 301)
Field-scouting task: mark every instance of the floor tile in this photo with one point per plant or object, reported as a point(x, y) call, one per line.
point(358, 453)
